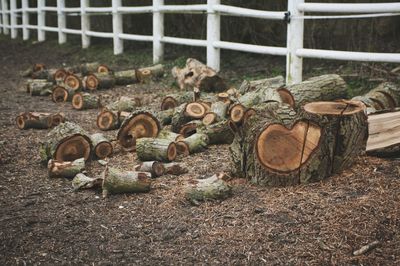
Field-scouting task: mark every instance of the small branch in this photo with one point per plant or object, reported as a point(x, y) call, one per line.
point(366, 248)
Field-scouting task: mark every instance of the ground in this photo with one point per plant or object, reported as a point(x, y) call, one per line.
point(44, 222)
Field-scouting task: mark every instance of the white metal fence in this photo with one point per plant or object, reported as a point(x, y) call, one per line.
point(12, 10)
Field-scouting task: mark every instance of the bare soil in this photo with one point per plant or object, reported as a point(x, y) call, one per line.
point(43, 222)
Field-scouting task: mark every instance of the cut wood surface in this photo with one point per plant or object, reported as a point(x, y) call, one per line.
point(98, 81)
point(155, 168)
point(154, 149)
point(211, 188)
point(146, 73)
point(190, 128)
point(66, 142)
point(39, 120)
point(83, 101)
point(73, 82)
point(197, 75)
point(384, 134)
point(61, 94)
point(108, 120)
point(116, 181)
point(102, 147)
point(138, 124)
point(65, 169)
point(173, 100)
point(217, 113)
point(195, 110)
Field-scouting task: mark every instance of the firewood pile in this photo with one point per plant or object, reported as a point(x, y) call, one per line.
point(278, 134)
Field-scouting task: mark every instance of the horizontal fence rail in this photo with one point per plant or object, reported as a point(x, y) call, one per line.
point(13, 12)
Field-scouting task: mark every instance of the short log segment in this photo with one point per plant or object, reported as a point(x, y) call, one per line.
point(126, 77)
point(32, 69)
point(83, 101)
point(153, 149)
point(108, 120)
point(217, 113)
point(98, 81)
point(169, 135)
point(39, 87)
point(190, 128)
point(197, 142)
point(179, 118)
point(60, 94)
point(89, 68)
point(65, 169)
point(39, 120)
point(174, 169)
point(102, 147)
point(173, 100)
point(66, 142)
point(322, 88)
point(125, 104)
point(165, 117)
point(198, 75)
point(73, 82)
point(195, 110)
point(82, 181)
point(218, 133)
point(155, 168)
point(212, 188)
point(116, 182)
point(138, 124)
point(273, 83)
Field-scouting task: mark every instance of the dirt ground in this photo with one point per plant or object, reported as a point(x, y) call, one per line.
point(42, 221)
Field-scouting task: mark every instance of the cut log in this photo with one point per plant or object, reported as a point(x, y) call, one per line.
point(66, 142)
point(102, 147)
point(39, 87)
point(155, 168)
point(198, 75)
point(155, 71)
point(218, 133)
point(197, 142)
point(217, 113)
point(90, 68)
point(82, 181)
point(61, 94)
point(179, 118)
point(116, 182)
point(174, 169)
point(165, 117)
point(98, 81)
point(273, 83)
point(73, 82)
point(60, 74)
point(211, 188)
point(384, 134)
point(108, 120)
point(65, 169)
point(152, 149)
point(182, 148)
point(190, 128)
point(38, 120)
point(126, 77)
point(125, 104)
point(83, 101)
point(32, 69)
point(137, 125)
point(31, 81)
point(322, 88)
point(174, 100)
point(169, 135)
point(195, 110)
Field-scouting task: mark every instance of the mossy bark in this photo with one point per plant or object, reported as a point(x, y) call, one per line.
point(153, 149)
point(211, 188)
point(197, 142)
point(273, 83)
point(65, 169)
point(102, 147)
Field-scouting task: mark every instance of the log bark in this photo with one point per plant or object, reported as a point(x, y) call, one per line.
point(65, 169)
point(90, 68)
point(198, 75)
point(169, 135)
point(196, 143)
point(155, 168)
point(218, 133)
point(273, 83)
point(83, 101)
point(153, 149)
point(173, 100)
point(174, 169)
point(190, 128)
point(39, 87)
point(211, 188)
point(32, 69)
point(138, 124)
point(98, 81)
point(165, 117)
point(82, 181)
point(126, 77)
point(39, 120)
point(217, 113)
point(102, 147)
point(125, 104)
point(322, 88)
point(66, 142)
point(116, 182)
point(179, 118)
point(144, 75)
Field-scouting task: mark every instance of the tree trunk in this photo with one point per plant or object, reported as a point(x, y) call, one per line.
point(39, 87)
point(198, 75)
point(102, 147)
point(273, 83)
point(137, 125)
point(321, 88)
point(38, 120)
point(65, 169)
point(83, 101)
point(66, 142)
point(173, 100)
point(211, 188)
point(98, 81)
point(116, 181)
point(73, 82)
point(155, 168)
point(82, 181)
point(152, 149)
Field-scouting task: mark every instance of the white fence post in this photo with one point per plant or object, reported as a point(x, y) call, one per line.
point(295, 31)
point(1, 18)
point(213, 34)
point(4, 6)
point(117, 27)
point(25, 20)
point(158, 31)
point(41, 20)
point(85, 24)
point(13, 19)
point(61, 21)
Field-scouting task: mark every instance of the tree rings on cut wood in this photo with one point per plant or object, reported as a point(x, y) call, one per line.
point(155, 168)
point(83, 101)
point(65, 169)
point(152, 149)
point(107, 120)
point(91, 82)
point(237, 112)
point(60, 75)
point(174, 100)
point(137, 125)
point(116, 181)
point(182, 148)
point(168, 103)
point(190, 128)
point(98, 81)
point(61, 94)
point(57, 119)
point(103, 69)
point(73, 82)
point(66, 142)
point(102, 147)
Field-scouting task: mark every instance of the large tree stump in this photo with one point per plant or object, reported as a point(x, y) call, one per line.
point(138, 124)
point(116, 182)
point(322, 88)
point(153, 149)
point(65, 169)
point(66, 142)
point(83, 101)
point(155, 168)
point(198, 75)
point(102, 147)
point(98, 81)
point(211, 188)
point(39, 120)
